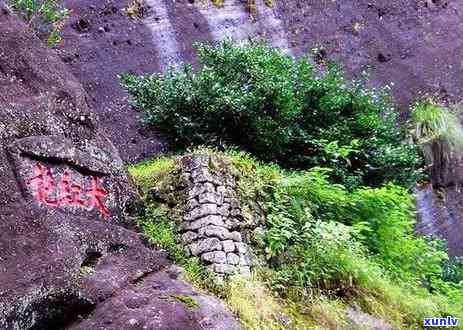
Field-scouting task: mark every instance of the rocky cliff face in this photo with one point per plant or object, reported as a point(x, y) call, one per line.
point(413, 44)
point(67, 256)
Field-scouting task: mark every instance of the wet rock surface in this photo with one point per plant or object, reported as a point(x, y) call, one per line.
point(68, 256)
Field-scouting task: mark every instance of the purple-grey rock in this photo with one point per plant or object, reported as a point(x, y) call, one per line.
point(69, 258)
point(228, 246)
point(218, 257)
point(233, 259)
point(206, 245)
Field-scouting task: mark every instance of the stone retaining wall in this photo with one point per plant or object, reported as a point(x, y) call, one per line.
point(212, 222)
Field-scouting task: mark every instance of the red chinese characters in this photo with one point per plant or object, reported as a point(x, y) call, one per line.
point(66, 192)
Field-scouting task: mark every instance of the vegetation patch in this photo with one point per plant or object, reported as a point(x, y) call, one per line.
point(327, 171)
point(187, 300)
point(46, 17)
point(439, 133)
point(281, 110)
point(327, 248)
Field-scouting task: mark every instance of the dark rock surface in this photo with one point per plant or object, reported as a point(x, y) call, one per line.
point(415, 45)
point(67, 255)
point(439, 214)
point(101, 42)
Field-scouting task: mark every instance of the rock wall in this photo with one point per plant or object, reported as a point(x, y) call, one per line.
point(413, 44)
point(439, 214)
point(68, 258)
point(213, 223)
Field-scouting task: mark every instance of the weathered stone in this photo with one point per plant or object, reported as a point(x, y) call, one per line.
point(244, 260)
point(199, 189)
point(208, 197)
point(203, 176)
point(225, 268)
point(224, 210)
point(232, 223)
point(201, 211)
point(215, 231)
point(222, 191)
point(218, 257)
point(192, 204)
point(189, 237)
point(233, 259)
point(228, 246)
point(234, 203)
point(207, 245)
point(218, 213)
point(235, 212)
point(214, 220)
point(241, 247)
point(236, 236)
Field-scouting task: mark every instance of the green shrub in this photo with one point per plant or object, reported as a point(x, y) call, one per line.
point(327, 247)
point(439, 133)
point(46, 17)
point(358, 246)
point(279, 109)
point(380, 219)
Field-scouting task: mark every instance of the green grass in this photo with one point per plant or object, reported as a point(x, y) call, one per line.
point(187, 300)
point(433, 122)
point(149, 173)
point(439, 133)
point(327, 248)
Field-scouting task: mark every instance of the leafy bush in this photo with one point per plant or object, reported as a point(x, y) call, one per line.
point(380, 219)
point(46, 17)
point(439, 133)
point(327, 248)
point(279, 109)
point(358, 246)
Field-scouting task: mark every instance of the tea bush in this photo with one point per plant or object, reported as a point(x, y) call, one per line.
point(279, 109)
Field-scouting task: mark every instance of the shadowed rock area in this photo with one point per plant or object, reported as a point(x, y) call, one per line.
point(68, 258)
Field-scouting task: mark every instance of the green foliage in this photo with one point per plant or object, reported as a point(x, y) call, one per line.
point(439, 133)
point(160, 231)
point(279, 109)
point(327, 247)
point(149, 173)
point(355, 245)
point(46, 17)
point(434, 123)
point(187, 300)
point(306, 207)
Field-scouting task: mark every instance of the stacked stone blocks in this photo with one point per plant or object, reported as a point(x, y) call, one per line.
point(212, 220)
